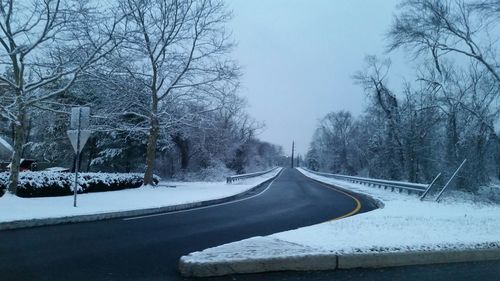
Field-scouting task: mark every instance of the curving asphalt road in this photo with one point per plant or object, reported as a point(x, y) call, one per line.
point(148, 248)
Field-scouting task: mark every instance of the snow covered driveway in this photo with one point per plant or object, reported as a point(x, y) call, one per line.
point(16, 209)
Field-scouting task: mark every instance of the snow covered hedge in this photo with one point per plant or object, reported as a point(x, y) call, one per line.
point(41, 184)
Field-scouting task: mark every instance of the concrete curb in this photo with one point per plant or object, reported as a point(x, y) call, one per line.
point(376, 260)
point(335, 261)
point(296, 263)
point(123, 214)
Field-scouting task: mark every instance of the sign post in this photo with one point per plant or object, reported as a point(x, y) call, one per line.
point(78, 135)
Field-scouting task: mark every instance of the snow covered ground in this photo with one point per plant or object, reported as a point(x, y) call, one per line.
point(15, 208)
point(404, 224)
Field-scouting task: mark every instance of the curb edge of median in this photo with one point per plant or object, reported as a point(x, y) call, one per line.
point(406, 258)
point(294, 263)
point(131, 213)
point(323, 262)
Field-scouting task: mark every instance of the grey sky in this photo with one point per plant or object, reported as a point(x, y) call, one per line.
point(299, 56)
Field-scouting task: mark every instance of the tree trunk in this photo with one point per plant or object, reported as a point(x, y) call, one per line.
point(151, 151)
point(451, 140)
point(183, 146)
point(19, 136)
point(412, 163)
point(184, 157)
point(92, 151)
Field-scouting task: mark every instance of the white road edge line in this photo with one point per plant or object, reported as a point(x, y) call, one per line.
point(206, 207)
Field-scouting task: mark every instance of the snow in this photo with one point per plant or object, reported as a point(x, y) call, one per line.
point(57, 169)
point(403, 224)
point(14, 208)
point(65, 181)
point(251, 248)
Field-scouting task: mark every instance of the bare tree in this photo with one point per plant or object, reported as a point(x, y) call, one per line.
point(337, 129)
point(447, 27)
point(490, 8)
point(46, 46)
point(447, 113)
point(374, 82)
point(178, 51)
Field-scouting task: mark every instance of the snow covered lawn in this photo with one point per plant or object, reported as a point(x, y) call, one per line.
point(15, 208)
point(404, 224)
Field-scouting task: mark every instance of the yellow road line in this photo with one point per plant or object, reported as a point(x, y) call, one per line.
point(358, 203)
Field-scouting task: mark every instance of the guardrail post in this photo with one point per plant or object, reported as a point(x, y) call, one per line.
point(429, 187)
point(453, 176)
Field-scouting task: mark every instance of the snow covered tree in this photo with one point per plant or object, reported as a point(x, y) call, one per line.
point(444, 28)
point(46, 46)
point(455, 38)
point(374, 82)
point(178, 50)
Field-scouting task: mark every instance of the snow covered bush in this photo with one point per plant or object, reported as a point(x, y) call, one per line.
point(216, 171)
point(41, 184)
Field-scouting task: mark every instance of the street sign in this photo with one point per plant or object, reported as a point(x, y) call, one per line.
point(73, 137)
point(78, 135)
point(80, 115)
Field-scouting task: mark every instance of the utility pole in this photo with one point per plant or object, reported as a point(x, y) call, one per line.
point(293, 150)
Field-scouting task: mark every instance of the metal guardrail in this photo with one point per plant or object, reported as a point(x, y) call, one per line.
point(234, 178)
point(418, 188)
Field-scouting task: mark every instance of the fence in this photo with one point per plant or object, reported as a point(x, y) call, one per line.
point(400, 186)
point(234, 178)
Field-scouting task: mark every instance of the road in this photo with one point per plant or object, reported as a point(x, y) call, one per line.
point(148, 248)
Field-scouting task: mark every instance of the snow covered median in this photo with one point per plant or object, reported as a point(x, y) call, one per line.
point(405, 223)
point(165, 194)
point(405, 231)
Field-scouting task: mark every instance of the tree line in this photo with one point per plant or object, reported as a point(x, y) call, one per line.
point(448, 111)
point(157, 74)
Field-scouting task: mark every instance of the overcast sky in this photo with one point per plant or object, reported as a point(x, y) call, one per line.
point(298, 57)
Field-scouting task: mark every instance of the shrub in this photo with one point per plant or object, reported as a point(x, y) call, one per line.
point(41, 184)
point(216, 171)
